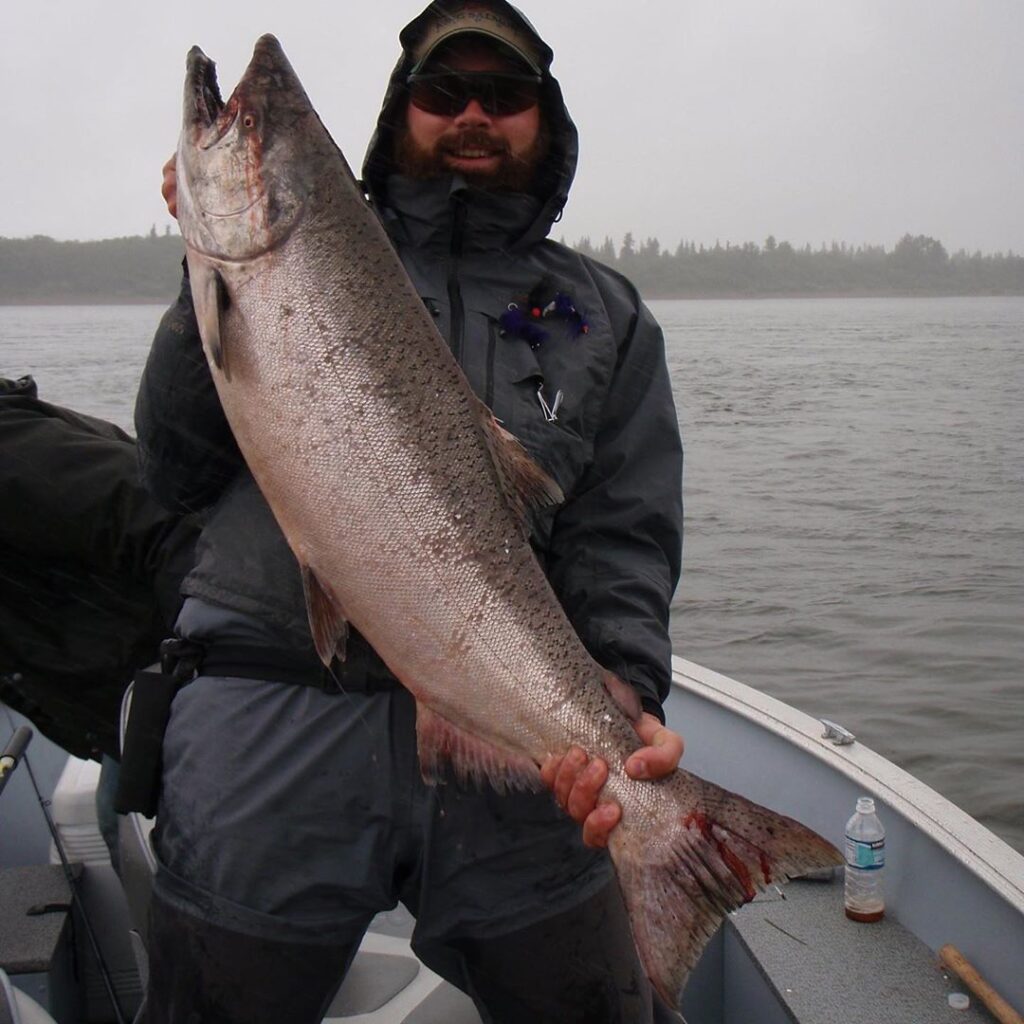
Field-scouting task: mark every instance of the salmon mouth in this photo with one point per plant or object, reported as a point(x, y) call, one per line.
point(201, 85)
point(210, 117)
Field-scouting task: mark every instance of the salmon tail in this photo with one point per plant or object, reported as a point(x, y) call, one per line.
point(712, 853)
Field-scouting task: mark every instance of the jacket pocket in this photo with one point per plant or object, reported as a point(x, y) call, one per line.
point(536, 410)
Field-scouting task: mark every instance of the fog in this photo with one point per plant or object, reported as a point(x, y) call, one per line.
point(707, 120)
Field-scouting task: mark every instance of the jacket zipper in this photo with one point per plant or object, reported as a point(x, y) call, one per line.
point(492, 344)
point(457, 313)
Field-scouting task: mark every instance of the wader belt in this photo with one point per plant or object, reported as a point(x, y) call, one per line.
point(181, 661)
point(360, 672)
point(299, 669)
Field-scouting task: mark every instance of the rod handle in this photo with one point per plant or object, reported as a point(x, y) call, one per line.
point(1003, 1012)
point(12, 753)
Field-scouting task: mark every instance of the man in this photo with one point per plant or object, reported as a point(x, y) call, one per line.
point(292, 813)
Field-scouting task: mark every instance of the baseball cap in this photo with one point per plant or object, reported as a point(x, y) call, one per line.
point(473, 17)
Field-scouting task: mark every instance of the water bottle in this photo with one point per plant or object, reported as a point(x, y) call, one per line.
point(865, 863)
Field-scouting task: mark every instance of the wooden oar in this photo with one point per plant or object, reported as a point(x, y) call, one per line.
point(1003, 1012)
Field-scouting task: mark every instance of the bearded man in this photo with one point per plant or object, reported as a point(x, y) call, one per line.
point(269, 878)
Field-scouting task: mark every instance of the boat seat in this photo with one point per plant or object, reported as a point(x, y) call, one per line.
point(36, 951)
point(18, 1008)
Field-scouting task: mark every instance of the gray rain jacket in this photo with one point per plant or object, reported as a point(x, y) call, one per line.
point(584, 388)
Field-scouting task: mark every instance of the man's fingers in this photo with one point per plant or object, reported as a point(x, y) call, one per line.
point(576, 781)
point(654, 762)
point(662, 752)
point(583, 795)
point(568, 771)
point(169, 185)
point(599, 824)
point(549, 769)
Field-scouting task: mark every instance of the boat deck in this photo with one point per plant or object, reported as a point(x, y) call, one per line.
point(790, 957)
point(793, 955)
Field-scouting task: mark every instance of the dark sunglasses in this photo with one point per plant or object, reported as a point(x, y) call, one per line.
point(448, 93)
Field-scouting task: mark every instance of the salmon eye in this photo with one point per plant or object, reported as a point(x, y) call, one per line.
point(249, 121)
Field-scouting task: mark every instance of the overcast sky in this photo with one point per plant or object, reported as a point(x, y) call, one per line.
point(705, 120)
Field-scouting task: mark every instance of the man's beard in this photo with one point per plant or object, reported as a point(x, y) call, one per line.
point(514, 174)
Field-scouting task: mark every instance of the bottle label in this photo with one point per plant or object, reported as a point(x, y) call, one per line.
point(869, 856)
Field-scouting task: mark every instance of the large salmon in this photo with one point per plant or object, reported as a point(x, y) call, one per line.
point(405, 502)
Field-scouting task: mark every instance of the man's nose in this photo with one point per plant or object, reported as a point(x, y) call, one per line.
point(472, 114)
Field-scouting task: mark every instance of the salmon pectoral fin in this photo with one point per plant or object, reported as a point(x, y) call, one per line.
point(210, 299)
point(720, 851)
point(441, 742)
point(327, 622)
point(525, 484)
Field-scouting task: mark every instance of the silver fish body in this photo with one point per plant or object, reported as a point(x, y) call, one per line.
point(405, 502)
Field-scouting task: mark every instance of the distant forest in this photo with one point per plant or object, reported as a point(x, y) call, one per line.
point(916, 265)
point(147, 268)
point(40, 271)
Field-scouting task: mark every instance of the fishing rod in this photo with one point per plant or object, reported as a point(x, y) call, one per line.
point(13, 754)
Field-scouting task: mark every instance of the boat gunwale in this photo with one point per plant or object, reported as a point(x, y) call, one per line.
point(977, 848)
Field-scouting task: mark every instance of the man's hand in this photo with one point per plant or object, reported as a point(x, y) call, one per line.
point(169, 188)
point(576, 780)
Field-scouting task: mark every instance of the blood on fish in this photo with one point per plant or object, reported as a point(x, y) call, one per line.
point(731, 858)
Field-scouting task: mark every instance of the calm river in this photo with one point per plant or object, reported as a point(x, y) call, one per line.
point(855, 509)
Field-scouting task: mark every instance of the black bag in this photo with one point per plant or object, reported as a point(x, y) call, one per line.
point(138, 785)
point(91, 569)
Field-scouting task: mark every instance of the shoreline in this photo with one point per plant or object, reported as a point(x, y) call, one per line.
point(166, 300)
point(703, 296)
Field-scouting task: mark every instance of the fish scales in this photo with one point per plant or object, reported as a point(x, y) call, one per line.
point(403, 501)
point(351, 431)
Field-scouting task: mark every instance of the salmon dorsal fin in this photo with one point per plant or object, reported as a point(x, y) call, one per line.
point(525, 484)
point(210, 299)
point(441, 742)
point(327, 623)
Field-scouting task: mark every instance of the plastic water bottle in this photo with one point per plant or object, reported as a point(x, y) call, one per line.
point(865, 864)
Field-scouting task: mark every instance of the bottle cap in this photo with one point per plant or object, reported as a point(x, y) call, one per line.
point(865, 805)
point(958, 1000)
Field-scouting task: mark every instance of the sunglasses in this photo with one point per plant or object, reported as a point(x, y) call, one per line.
point(448, 93)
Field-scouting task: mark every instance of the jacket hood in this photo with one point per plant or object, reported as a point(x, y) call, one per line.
point(559, 166)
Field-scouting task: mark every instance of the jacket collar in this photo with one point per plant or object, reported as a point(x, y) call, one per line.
point(429, 215)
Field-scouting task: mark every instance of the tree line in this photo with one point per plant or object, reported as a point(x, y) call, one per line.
point(148, 268)
point(139, 268)
point(916, 265)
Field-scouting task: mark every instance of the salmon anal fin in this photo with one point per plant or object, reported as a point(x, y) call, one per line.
point(473, 759)
point(716, 852)
point(326, 621)
point(524, 483)
point(210, 299)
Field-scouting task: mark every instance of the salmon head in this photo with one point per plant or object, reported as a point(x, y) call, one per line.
point(243, 172)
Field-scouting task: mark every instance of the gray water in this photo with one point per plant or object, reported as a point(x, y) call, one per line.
point(855, 509)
